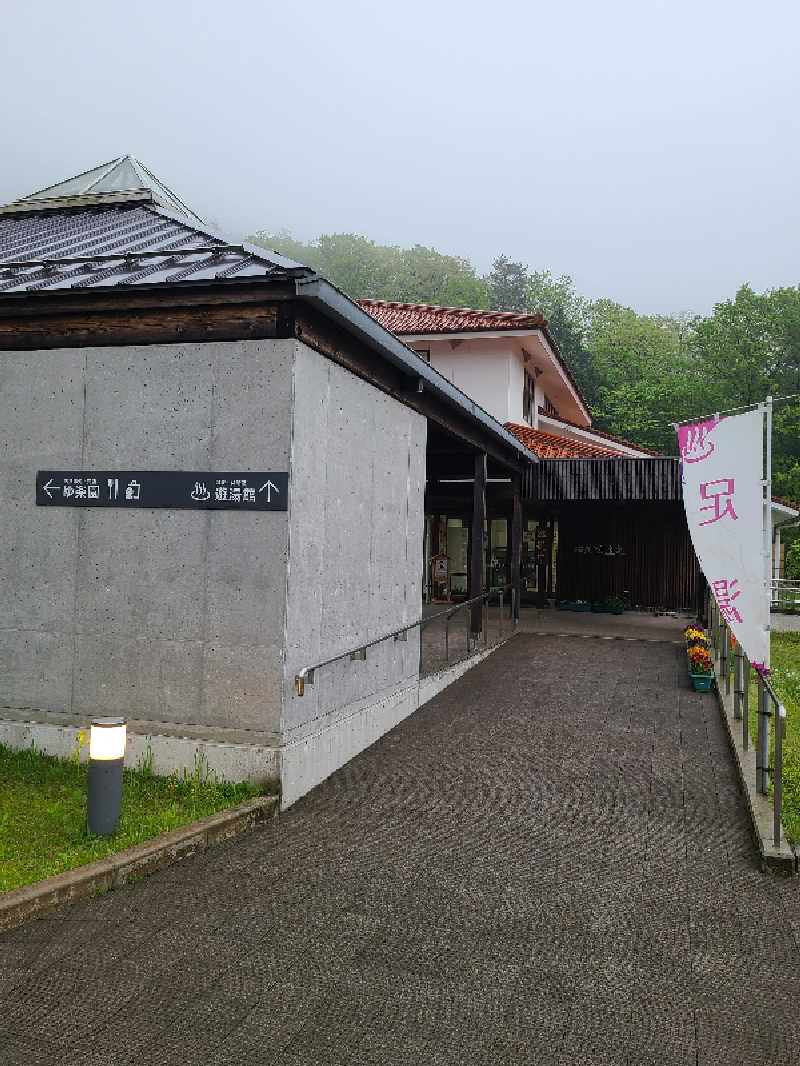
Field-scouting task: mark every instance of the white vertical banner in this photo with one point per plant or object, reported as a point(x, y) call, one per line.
point(722, 462)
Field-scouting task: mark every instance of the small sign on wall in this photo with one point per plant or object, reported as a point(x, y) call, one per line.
point(248, 491)
point(440, 578)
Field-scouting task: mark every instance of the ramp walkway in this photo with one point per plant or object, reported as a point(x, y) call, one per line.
point(550, 863)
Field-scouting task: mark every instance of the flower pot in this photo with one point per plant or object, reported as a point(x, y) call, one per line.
point(702, 682)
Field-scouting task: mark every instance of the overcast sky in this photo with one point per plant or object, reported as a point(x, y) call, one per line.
point(650, 149)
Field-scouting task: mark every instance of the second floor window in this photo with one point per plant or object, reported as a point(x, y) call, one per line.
point(528, 400)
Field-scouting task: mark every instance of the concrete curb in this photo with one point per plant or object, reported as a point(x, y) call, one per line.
point(782, 858)
point(32, 901)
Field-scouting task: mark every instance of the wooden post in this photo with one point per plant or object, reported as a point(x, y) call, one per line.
point(543, 569)
point(476, 555)
point(516, 546)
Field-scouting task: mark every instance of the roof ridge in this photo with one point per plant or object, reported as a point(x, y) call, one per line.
point(105, 170)
point(453, 310)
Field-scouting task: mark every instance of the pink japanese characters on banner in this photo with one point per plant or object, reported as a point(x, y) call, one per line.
point(722, 472)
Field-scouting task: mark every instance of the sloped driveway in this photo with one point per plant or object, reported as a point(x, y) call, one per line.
point(549, 863)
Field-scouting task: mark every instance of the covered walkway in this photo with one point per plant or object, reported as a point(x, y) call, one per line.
point(549, 863)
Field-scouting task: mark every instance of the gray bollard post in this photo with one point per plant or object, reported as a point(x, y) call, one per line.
point(106, 757)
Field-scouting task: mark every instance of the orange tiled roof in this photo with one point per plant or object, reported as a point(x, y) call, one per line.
point(549, 446)
point(600, 433)
point(426, 318)
point(786, 503)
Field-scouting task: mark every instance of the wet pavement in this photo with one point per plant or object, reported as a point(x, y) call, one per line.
point(549, 863)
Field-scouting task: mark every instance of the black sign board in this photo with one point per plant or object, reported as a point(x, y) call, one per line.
point(238, 491)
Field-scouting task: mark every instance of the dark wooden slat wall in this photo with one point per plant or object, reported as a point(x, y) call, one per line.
point(604, 479)
point(657, 570)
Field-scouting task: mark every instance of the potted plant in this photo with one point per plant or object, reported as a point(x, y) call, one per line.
point(698, 654)
point(615, 604)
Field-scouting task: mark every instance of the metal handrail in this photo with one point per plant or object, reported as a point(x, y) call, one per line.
point(769, 706)
point(464, 603)
point(306, 675)
point(784, 592)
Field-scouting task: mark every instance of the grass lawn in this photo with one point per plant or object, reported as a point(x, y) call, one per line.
point(785, 664)
point(43, 812)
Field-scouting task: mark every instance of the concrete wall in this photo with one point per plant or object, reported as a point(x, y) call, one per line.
point(356, 525)
point(162, 615)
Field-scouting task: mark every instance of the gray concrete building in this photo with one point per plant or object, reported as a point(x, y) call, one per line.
point(155, 381)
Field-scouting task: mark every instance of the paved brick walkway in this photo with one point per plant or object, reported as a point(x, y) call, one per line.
point(549, 863)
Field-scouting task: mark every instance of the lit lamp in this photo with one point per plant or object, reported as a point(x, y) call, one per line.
point(106, 755)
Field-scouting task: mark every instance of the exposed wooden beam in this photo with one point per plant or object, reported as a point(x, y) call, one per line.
point(115, 328)
point(81, 301)
point(516, 545)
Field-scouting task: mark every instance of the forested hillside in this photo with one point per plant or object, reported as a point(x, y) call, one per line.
point(639, 372)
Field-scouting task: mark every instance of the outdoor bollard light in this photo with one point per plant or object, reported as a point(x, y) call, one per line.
point(106, 755)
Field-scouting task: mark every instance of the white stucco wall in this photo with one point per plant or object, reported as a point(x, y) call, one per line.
point(484, 370)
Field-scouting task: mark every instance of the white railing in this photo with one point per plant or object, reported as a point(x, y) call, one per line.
point(785, 595)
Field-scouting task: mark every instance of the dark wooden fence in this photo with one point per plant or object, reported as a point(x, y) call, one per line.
point(640, 550)
point(604, 479)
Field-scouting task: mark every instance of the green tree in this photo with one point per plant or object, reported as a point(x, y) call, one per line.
point(426, 276)
point(747, 349)
point(365, 270)
point(465, 290)
point(568, 317)
point(507, 285)
point(643, 383)
point(737, 351)
point(791, 563)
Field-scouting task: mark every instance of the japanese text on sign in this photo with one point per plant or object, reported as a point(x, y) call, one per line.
point(159, 488)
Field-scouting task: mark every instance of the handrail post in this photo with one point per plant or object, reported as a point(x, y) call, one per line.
point(728, 663)
point(777, 791)
point(715, 628)
point(738, 681)
point(746, 704)
point(762, 745)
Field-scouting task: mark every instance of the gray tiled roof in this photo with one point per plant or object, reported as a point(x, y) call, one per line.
point(122, 245)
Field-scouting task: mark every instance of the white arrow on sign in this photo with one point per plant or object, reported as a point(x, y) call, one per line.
point(50, 485)
point(270, 489)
